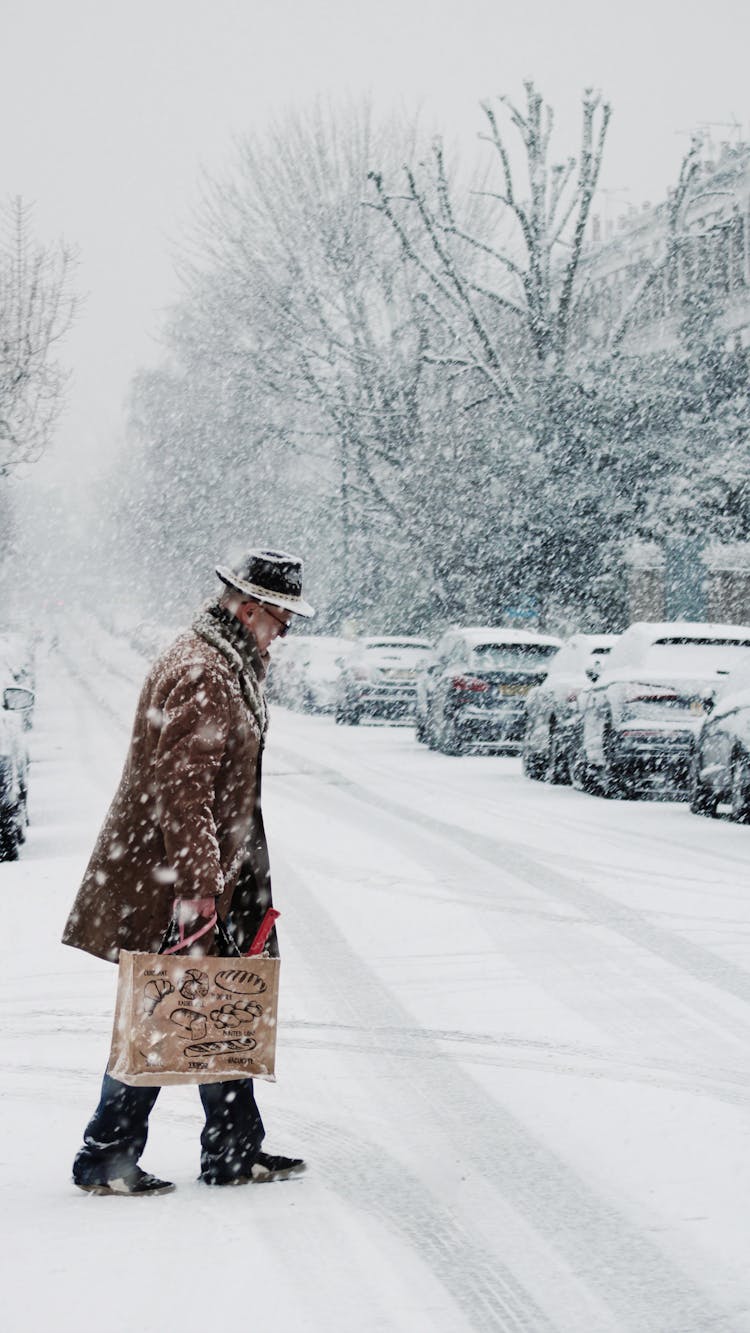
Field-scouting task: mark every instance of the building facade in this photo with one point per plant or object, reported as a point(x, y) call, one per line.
point(634, 273)
point(638, 279)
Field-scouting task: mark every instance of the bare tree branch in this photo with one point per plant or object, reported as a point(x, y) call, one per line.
point(37, 308)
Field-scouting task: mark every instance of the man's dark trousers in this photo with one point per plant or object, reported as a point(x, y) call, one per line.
point(116, 1134)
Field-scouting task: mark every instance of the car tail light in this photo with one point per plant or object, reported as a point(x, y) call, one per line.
point(470, 683)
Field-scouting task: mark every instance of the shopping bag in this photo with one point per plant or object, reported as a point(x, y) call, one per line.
point(186, 1019)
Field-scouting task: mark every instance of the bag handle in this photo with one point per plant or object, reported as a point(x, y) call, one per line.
point(225, 939)
point(215, 923)
point(184, 943)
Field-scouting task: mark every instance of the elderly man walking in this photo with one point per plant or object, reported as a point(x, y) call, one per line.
point(184, 839)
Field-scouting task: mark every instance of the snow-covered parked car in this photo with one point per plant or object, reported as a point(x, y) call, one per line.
point(721, 761)
point(553, 719)
point(314, 672)
point(642, 713)
point(378, 678)
point(14, 771)
point(474, 689)
point(280, 682)
point(17, 667)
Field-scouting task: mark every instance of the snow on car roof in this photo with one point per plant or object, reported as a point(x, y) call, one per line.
point(644, 634)
point(594, 641)
point(687, 629)
point(475, 634)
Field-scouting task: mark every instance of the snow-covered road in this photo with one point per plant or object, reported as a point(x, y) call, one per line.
point(514, 1048)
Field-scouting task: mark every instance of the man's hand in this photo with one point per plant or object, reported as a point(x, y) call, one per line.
point(188, 911)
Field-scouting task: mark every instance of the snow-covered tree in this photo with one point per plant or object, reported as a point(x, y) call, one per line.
point(506, 295)
point(405, 385)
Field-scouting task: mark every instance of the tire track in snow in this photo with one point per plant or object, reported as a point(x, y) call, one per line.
point(730, 1087)
point(536, 814)
point(370, 1179)
point(612, 1261)
point(699, 963)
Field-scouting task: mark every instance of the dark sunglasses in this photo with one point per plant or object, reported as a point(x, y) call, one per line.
point(286, 625)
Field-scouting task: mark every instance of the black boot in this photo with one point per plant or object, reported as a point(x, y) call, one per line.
point(264, 1168)
point(134, 1181)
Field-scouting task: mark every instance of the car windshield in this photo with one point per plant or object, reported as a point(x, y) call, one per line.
point(493, 656)
point(698, 655)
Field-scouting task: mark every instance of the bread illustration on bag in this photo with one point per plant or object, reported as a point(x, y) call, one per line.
point(240, 981)
point(154, 992)
point(237, 1013)
point(191, 1021)
point(230, 1046)
point(195, 985)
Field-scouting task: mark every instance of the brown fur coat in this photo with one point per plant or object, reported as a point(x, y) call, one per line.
point(186, 818)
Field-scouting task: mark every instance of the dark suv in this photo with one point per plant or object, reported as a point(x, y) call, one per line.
point(474, 690)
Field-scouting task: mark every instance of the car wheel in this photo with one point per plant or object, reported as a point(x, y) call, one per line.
point(740, 790)
point(430, 735)
point(9, 839)
point(451, 742)
point(703, 799)
point(582, 776)
point(348, 717)
point(22, 818)
point(558, 763)
point(617, 780)
point(534, 766)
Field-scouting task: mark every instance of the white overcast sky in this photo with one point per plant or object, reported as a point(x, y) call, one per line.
point(111, 107)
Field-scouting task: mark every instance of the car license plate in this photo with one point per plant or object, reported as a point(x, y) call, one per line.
point(517, 691)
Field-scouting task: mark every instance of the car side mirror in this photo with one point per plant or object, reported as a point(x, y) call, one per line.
point(593, 672)
point(16, 699)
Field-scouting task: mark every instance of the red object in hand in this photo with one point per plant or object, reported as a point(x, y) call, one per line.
point(264, 930)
